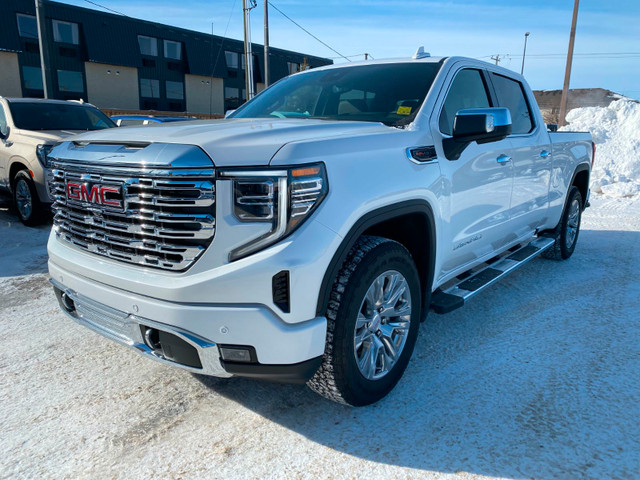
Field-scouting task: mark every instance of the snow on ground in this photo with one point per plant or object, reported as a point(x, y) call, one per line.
point(616, 131)
point(535, 378)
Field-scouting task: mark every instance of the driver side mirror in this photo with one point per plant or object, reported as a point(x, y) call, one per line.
point(482, 125)
point(4, 134)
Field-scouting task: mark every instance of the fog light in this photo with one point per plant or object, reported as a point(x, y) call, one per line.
point(238, 354)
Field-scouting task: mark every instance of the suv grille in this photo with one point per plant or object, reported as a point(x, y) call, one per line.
point(156, 217)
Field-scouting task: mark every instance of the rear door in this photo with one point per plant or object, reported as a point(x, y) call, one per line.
point(477, 187)
point(531, 157)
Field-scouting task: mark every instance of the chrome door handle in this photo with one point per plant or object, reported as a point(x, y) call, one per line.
point(545, 154)
point(503, 159)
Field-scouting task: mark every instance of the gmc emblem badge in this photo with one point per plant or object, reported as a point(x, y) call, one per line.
point(97, 194)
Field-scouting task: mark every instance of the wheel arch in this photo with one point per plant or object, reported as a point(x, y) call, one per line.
point(402, 222)
point(17, 164)
point(580, 179)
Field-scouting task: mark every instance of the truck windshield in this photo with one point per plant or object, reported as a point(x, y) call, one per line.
point(57, 116)
point(387, 93)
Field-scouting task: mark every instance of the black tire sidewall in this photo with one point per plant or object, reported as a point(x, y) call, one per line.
point(565, 251)
point(356, 389)
point(34, 218)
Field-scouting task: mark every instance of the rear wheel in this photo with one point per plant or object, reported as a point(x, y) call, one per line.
point(567, 231)
point(25, 199)
point(372, 323)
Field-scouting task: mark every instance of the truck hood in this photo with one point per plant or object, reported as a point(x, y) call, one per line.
point(235, 142)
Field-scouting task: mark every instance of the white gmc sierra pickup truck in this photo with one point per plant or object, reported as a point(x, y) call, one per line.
point(306, 237)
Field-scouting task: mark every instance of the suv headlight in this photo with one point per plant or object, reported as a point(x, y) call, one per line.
point(284, 198)
point(42, 152)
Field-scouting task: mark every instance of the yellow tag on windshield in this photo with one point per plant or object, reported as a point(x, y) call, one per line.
point(404, 111)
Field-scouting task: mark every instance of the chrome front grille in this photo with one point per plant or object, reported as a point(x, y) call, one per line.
point(167, 217)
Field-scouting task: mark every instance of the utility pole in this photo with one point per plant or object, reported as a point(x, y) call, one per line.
point(44, 51)
point(496, 58)
point(266, 43)
point(366, 56)
point(567, 73)
point(524, 54)
point(248, 54)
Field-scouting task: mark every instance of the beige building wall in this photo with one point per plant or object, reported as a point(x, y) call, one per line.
point(198, 90)
point(9, 75)
point(112, 86)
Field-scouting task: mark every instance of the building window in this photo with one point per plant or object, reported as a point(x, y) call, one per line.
point(65, 32)
point(32, 78)
point(148, 45)
point(172, 50)
point(69, 81)
point(231, 94)
point(27, 26)
point(149, 88)
point(148, 62)
point(293, 67)
point(175, 90)
point(232, 59)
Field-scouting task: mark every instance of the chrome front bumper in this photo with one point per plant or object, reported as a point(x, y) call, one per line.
point(126, 329)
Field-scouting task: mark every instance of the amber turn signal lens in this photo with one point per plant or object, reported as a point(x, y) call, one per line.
point(303, 172)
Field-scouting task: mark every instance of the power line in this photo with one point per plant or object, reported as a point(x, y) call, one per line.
point(593, 55)
point(353, 56)
point(307, 31)
point(106, 8)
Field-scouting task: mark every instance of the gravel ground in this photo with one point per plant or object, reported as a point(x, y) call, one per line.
point(538, 377)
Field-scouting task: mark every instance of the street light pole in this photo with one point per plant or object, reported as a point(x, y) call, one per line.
point(524, 54)
point(567, 73)
point(44, 50)
point(266, 43)
point(248, 54)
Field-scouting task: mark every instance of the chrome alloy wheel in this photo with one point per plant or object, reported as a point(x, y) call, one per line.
point(382, 325)
point(573, 223)
point(24, 202)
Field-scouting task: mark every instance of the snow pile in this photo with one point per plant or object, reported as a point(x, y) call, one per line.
point(616, 131)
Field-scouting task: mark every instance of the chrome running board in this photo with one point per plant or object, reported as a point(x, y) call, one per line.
point(467, 286)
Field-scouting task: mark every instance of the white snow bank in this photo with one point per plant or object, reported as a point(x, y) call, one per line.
point(616, 131)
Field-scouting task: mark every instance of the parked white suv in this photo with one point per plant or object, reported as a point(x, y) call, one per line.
point(29, 127)
point(306, 237)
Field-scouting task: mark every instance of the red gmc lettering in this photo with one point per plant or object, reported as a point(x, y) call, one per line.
point(106, 201)
point(73, 191)
point(93, 197)
point(97, 194)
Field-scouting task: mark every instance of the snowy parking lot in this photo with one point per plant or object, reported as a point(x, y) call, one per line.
point(536, 378)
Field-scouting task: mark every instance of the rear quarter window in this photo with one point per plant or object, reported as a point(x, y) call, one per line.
point(511, 95)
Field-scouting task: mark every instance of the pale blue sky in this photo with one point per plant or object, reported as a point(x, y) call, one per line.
point(474, 28)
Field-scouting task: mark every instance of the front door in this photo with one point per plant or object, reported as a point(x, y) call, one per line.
point(477, 186)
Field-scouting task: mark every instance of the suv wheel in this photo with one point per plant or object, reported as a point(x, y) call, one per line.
point(372, 323)
point(566, 233)
point(25, 199)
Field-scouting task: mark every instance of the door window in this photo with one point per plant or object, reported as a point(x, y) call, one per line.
point(467, 91)
point(511, 95)
point(3, 121)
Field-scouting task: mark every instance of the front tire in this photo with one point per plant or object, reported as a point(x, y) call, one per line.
point(373, 319)
point(567, 231)
point(25, 199)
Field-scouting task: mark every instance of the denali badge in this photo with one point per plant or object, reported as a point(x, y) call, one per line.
point(96, 193)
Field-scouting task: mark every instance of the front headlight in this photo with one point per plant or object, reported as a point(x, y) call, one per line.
point(284, 198)
point(42, 152)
